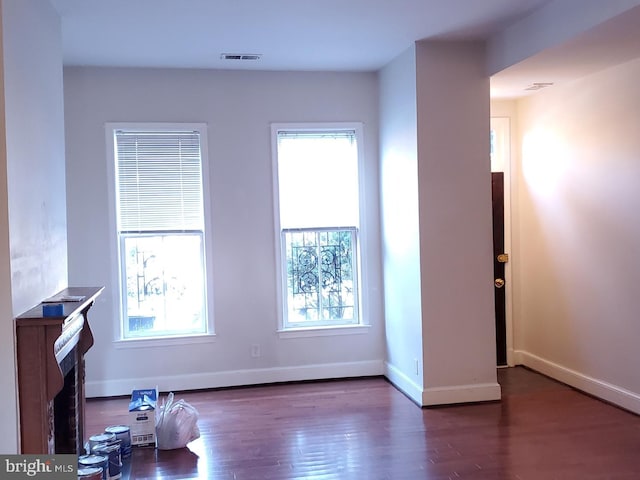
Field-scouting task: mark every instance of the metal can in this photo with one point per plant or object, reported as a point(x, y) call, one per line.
point(122, 433)
point(95, 461)
point(90, 473)
point(100, 438)
point(112, 452)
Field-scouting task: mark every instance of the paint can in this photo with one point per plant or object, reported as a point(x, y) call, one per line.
point(95, 461)
point(122, 433)
point(112, 452)
point(90, 473)
point(100, 438)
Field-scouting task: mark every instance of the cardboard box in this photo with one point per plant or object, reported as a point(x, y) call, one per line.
point(142, 417)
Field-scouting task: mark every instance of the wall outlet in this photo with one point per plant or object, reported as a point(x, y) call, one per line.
point(255, 350)
point(417, 367)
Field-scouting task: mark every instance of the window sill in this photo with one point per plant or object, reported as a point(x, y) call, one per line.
point(164, 341)
point(323, 331)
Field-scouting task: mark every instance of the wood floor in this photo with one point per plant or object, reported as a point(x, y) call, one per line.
point(365, 429)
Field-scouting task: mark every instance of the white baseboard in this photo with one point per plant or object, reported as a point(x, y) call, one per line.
point(480, 392)
point(403, 383)
point(598, 388)
point(232, 378)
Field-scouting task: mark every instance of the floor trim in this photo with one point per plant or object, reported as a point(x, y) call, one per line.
point(598, 388)
point(232, 378)
point(404, 383)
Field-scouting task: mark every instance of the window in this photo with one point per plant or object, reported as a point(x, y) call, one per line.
point(160, 230)
point(316, 172)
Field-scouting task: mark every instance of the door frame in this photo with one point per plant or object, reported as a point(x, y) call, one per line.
point(501, 161)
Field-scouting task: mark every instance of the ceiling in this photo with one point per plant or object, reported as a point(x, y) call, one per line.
point(334, 35)
point(320, 35)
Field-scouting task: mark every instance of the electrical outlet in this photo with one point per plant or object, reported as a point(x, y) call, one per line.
point(417, 367)
point(255, 350)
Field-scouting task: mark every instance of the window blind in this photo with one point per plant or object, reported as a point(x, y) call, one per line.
point(159, 177)
point(317, 178)
point(310, 134)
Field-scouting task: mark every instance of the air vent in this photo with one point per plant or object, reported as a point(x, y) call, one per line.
point(240, 56)
point(539, 85)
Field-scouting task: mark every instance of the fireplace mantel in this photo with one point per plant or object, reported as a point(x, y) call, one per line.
point(50, 364)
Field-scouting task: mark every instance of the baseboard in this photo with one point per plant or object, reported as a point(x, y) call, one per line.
point(598, 388)
point(480, 392)
point(233, 378)
point(403, 383)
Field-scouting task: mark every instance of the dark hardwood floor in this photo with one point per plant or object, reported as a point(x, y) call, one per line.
point(365, 429)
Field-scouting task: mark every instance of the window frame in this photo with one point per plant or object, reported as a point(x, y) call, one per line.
point(119, 337)
point(285, 329)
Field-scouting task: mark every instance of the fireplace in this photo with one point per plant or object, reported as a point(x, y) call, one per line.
point(50, 364)
point(67, 427)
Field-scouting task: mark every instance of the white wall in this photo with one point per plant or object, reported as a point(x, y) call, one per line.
point(238, 108)
point(456, 248)
point(35, 151)
point(400, 225)
point(579, 235)
point(504, 108)
point(33, 219)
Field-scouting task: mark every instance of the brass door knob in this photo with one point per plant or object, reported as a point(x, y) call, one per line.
point(499, 282)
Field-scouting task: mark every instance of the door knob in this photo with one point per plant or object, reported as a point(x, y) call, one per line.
point(499, 282)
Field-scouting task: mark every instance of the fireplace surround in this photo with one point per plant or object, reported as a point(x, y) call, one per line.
point(50, 362)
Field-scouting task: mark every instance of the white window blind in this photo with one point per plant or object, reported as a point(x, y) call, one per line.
point(159, 181)
point(318, 178)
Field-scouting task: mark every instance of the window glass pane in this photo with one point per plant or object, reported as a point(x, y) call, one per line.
point(321, 278)
point(164, 287)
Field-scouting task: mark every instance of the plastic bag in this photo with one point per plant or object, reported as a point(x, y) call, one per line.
point(176, 424)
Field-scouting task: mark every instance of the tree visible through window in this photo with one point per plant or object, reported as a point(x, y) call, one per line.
point(318, 199)
point(160, 227)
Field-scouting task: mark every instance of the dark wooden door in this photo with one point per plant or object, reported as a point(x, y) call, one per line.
point(497, 189)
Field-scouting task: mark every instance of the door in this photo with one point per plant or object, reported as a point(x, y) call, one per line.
point(499, 259)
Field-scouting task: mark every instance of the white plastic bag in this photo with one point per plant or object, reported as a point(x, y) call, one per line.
point(176, 424)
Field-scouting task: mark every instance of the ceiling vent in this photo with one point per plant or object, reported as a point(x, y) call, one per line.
point(539, 85)
point(240, 56)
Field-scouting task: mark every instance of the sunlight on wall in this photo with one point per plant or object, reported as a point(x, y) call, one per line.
point(544, 161)
point(400, 191)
